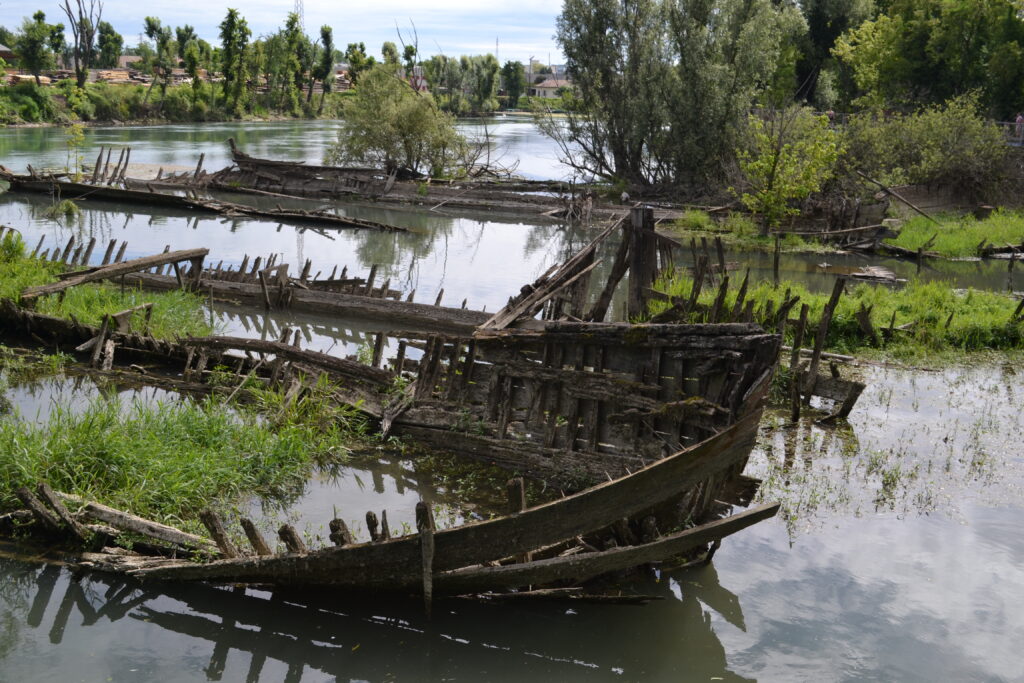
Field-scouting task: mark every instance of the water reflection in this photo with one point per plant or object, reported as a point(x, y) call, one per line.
point(917, 443)
point(178, 146)
point(195, 631)
point(36, 400)
point(470, 256)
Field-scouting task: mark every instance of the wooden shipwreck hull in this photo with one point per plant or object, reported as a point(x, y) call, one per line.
point(474, 557)
point(650, 424)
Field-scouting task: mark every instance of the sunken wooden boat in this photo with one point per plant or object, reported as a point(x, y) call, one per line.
point(61, 186)
point(650, 424)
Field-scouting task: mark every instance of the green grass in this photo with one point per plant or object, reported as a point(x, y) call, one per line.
point(981, 320)
point(960, 237)
point(738, 231)
point(170, 460)
point(175, 314)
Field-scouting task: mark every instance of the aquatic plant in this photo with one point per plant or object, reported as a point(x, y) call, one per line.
point(175, 313)
point(961, 236)
point(169, 460)
point(925, 316)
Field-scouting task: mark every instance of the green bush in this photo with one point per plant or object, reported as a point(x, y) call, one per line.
point(950, 145)
point(77, 99)
point(116, 102)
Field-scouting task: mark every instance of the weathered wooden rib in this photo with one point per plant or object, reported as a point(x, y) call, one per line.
point(583, 567)
point(398, 563)
point(196, 256)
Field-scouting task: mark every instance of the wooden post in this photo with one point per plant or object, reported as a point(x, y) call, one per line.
point(39, 511)
point(340, 534)
point(109, 252)
point(794, 364)
point(255, 538)
point(775, 259)
point(819, 340)
point(1009, 271)
point(372, 526)
point(263, 286)
point(199, 167)
point(211, 520)
point(292, 540)
point(642, 259)
point(425, 527)
point(96, 168)
point(378, 350)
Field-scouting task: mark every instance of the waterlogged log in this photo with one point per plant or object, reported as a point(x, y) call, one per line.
point(114, 270)
point(124, 521)
point(397, 563)
point(51, 499)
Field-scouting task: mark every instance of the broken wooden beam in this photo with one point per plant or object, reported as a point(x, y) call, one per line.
point(113, 270)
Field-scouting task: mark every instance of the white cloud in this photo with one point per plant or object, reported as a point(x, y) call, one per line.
point(523, 27)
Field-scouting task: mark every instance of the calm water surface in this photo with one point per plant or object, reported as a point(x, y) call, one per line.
point(898, 556)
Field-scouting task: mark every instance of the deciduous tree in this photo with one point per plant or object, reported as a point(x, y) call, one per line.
point(84, 17)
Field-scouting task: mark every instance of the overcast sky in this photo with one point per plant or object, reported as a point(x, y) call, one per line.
point(454, 27)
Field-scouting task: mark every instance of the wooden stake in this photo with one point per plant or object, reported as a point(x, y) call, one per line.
point(291, 539)
point(211, 520)
point(425, 527)
point(255, 538)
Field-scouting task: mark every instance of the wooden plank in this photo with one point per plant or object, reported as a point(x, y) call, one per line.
point(114, 270)
point(399, 562)
point(585, 566)
point(125, 521)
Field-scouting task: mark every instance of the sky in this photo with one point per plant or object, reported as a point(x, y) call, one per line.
point(453, 27)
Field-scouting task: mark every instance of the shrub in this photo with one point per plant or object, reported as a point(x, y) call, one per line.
point(949, 145)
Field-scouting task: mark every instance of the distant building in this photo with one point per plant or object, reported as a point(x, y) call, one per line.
point(549, 88)
point(126, 61)
point(6, 53)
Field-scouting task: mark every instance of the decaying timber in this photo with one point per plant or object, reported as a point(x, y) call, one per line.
point(463, 556)
point(651, 424)
point(58, 186)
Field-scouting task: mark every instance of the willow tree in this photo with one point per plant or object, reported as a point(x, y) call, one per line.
point(324, 70)
point(388, 123)
point(662, 86)
point(36, 44)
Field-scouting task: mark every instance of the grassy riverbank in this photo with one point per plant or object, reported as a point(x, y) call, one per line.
point(958, 237)
point(174, 314)
point(935, 318)
point(170, 460)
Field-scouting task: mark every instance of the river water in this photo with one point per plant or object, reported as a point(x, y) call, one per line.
point(898, 556)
